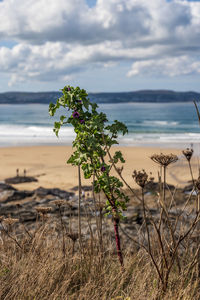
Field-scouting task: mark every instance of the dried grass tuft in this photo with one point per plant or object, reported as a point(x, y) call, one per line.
point(42, 273)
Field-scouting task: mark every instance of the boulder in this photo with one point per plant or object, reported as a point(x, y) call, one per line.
point(85, 188)
point(6, 187)
point(20, 179)
point(11, 196)
point(42, 192)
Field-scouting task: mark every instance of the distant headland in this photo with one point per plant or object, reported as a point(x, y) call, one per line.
point(120, 97)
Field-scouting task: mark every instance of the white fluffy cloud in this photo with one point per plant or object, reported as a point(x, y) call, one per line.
point(174, 66)
point(56, 39)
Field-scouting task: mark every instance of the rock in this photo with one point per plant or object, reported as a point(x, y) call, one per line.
point(14, 195)
point(188, 188)
point(4, 195)
point(5, 186)
point(17, 196)
point(22, 204)
point(42, 192)
point(155, 186)
point(20, 179)
point(27, 216)
point(8, 210)
point(133, 216)
point(85, 188)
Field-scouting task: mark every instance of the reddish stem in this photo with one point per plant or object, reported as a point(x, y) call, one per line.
point(117, 239)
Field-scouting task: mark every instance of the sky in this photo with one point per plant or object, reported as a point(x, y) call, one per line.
point(101, 46)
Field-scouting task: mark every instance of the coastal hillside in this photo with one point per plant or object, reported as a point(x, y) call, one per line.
point(137, 96)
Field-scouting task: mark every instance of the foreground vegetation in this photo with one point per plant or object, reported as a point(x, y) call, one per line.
point(39, 270)
point(160, 253)
point(158, 259)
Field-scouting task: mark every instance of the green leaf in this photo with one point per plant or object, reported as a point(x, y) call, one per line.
point(56, 131)
point(62, 118)
point(51, 109)
point(118, 156)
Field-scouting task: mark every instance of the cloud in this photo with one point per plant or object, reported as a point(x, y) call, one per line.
point(38, 21)
point(61, 38)
point(72, 21)
point(172, 67)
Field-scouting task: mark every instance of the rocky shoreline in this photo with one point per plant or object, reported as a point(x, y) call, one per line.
point(23, 205)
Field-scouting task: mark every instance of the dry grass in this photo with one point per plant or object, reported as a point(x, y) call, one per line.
point(161, 254)
point(40, 271)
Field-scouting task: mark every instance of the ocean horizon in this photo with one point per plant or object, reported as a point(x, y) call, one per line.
point(149, 124)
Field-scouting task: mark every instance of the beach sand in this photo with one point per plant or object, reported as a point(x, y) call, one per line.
point(48, 164)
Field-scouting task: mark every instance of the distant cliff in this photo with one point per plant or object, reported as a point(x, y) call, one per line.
point(27, 98)
point(145, 96)
point(138, 96)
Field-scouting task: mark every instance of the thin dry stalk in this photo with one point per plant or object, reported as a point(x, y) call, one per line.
point(97, 219)
point(119, 171)
point(59, 203)
point(8, 231)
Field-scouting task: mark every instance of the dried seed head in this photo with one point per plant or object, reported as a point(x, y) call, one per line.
point(164, 160)
point(58, 202)
point(43, 210)
point(141, 178)
point(1, 218)
point(188, 153)
point(198, 183)
point(10, 221)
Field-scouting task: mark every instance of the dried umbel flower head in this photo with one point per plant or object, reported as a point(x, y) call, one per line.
point(198, 183)
point(164, 159)
point(58, 203)
point(141, 178)
point(10, 221)
point(188, 153)
point(43, 210)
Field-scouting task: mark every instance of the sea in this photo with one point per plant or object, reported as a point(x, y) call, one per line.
point(149, 124)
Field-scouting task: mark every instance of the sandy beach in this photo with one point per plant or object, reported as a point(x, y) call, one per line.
point(48, 165)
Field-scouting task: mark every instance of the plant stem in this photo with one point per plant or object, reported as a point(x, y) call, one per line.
point(190, 167)
point(98, 225)
point(164, 183)
point(168, 220)
point(63, 236)
point(79, 205)
point(117, 239)
point(146, 223)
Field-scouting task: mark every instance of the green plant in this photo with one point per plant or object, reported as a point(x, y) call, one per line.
point(92, 144)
